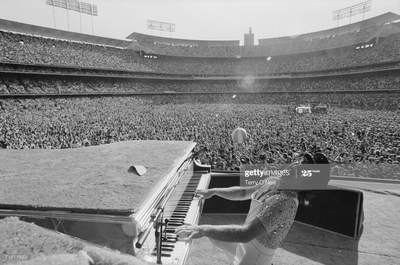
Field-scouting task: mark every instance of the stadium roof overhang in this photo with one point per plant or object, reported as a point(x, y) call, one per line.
point(150, 38)
point(382, 19)
point(8, 25)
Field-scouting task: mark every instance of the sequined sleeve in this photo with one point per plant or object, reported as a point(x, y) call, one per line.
point(274, 212)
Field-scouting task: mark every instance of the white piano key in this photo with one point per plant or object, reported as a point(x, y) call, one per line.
point(192, 208)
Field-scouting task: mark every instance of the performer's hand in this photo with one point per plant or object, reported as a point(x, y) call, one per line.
point(203, 194)
point(188, 231)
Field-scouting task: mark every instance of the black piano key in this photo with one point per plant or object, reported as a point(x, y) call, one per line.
point(173, 223)
point(178, 214)
point(162, 254)
point(179, 223)
point(176, 224)
point(182, 218)
point(181, 210)
point(176, 219)
point(164, 249)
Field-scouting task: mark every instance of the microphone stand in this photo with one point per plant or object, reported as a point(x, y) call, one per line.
point(160, 232)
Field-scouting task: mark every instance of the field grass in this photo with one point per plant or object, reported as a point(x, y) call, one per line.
point(94, 178)
point(43, 246)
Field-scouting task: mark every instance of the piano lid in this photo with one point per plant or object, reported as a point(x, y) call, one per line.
point(86, 179)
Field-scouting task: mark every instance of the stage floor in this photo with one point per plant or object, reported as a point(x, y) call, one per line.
point(379, 243)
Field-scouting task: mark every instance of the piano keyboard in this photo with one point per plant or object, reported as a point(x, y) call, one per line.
point(182, 207)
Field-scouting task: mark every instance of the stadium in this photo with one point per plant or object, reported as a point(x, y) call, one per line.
point(68, 99)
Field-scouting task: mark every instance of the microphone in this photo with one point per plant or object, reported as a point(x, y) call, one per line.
point(197, 153)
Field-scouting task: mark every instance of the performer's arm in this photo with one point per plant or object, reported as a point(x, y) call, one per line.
point(227, 233)
point(269, 218)
point(231, 193)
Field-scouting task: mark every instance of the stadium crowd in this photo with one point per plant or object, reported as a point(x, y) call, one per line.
point(355, 140)
point(268, 47)
point(39, 84)
point(360, 134)
point(26, 49)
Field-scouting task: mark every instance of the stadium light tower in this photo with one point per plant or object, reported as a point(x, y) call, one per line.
point(161, 26)
point(352, 11)
point(74, 5)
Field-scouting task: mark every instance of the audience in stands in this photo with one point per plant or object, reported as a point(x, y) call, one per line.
point(26, 49)
point(12, 83)
point(360, 134)
point(354, 140)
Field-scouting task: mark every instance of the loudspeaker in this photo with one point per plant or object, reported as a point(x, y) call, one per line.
point(337, 210)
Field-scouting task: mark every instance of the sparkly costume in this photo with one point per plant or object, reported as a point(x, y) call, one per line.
point(276, 210)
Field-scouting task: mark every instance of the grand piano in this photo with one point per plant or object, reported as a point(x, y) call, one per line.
point(99, 195)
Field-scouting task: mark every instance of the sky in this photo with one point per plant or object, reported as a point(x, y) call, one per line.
point(194, 19)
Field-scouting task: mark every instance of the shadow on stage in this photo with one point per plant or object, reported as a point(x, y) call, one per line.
point(320, 246)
